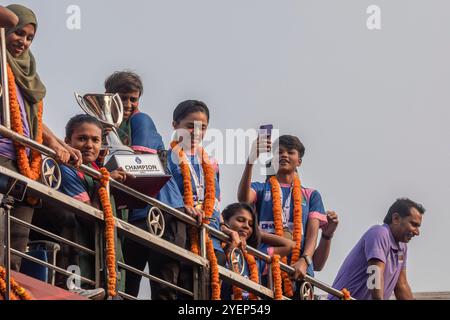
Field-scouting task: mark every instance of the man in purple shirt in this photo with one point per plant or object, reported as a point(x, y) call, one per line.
point(376, 266)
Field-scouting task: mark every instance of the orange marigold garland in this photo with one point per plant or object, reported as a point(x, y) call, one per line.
point(298, 224)
point(277, 280)
point(297, 218)
point(17, 292)
point(188, 196)
point(215, 281)
point(30, 169)
point(253, 275)
point(346, 294)
point(12, 295)
point(237, 293)
point(254, 272)
point(109, 232)
point(208, 208)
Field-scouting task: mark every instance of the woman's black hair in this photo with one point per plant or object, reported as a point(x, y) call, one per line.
point(255, 238)
point(124, 82)
point(78, 120)
point(187, 107)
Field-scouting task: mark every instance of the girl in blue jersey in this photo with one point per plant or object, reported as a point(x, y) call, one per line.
point(284, 206)
point(190, 120)
point(138, 131)
point(240, 217)
point(84, 133)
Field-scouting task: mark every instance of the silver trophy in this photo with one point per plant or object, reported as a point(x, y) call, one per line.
point(146, 172)
point(107, 108)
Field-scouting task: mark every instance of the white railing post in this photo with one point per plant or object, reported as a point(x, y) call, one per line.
point(4, 87)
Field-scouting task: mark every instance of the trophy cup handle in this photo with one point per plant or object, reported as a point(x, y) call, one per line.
point(83, 106)
point(119, 109)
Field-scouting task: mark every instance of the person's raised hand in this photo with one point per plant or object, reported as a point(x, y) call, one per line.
point(332, 224)
point(261, 145)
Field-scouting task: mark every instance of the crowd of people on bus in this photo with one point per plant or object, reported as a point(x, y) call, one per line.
point(278, 216)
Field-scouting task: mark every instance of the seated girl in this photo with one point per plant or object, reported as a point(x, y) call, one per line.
point(241, 218)
point(84, 133)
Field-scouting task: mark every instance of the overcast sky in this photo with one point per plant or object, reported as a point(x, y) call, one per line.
point(371, 106)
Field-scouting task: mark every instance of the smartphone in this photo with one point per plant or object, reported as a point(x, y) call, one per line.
point(266, 130)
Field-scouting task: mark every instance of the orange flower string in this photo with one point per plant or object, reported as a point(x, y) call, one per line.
point(215, 281)
point(254, 272)
point(346, 294)
point(194, 239)
point(188, 196)
point(12, 295)
point(109, 232)
point(17, 292)
point(208, 208)
point(253, 275)
point(237, 293)
point(297, 219)
point(277, 281)
point(30, 169)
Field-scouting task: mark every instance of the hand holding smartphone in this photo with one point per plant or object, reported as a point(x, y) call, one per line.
point(265, 143)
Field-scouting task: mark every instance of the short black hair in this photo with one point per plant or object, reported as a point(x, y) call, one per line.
point(291, 142)
point(124, 82)
point(187, 107)
point(255, 239)
point(403, 207)
point(79, 119)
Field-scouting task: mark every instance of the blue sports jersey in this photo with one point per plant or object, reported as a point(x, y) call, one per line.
point(74, 184)
point(144, 135)
point(175, 170)
point(312, 208)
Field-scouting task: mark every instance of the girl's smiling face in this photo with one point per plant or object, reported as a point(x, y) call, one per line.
point(192, 129)
point(242, 223)
point(20, 40)
point(86, 137)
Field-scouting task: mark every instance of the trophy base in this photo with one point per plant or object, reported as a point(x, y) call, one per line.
point(148, 177)
point(149, 186)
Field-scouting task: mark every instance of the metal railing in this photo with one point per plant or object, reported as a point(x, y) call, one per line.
point(199, 263)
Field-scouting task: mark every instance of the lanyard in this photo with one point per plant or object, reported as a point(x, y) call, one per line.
point(199, 182)
point(286, 206)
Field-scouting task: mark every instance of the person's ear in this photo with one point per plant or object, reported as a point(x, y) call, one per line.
point(175, 124)
point(396, 218)
point(67, 140)
point(299, 162)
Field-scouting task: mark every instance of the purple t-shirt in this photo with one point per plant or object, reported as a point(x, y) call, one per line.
point(377, 243)
point(7, 148)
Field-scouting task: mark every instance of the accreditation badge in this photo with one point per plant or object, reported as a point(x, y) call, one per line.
point(287, 233)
